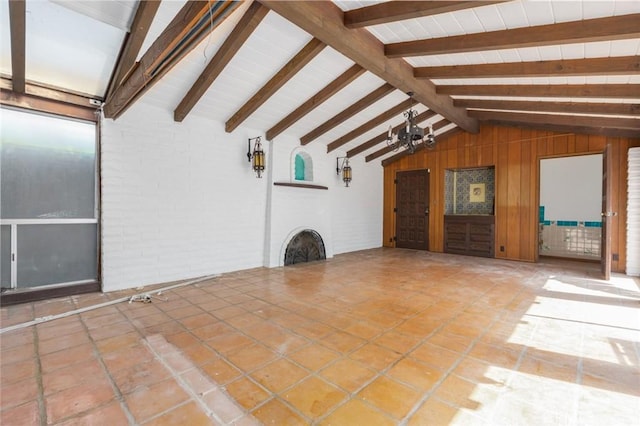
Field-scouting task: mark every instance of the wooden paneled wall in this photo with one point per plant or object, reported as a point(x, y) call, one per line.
point(516, 155)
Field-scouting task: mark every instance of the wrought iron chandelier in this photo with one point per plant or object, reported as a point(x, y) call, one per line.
point(410, 134)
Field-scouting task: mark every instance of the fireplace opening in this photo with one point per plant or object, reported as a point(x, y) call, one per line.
point(306, 246)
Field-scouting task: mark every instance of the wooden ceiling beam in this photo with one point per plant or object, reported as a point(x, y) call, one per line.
point(139, 28)
point(592, 66)
point(560, 128)
point(589, 30)
point(241, 32)
point(324, 20)
point(383, 136)
point(542, 106)
point(545, 90)
point(36, 103)
point(17, 27)
point(194, 21)
point(579, 122)
point(347, 113)
point(328, 91)
point(387, 149)
point(419, 147)
point(392, 11)
point(290, 69)
point(55, 94)
point(375, 121)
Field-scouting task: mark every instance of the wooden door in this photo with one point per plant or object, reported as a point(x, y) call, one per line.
point(412, 209)
point(607, 214)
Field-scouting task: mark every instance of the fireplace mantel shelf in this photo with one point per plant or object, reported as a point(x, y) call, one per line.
point(300, 185)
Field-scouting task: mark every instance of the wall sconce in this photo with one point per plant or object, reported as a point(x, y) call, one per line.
point(257, 157)
point(345, 168)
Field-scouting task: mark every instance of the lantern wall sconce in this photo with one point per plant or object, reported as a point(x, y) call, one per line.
point(345, 168)
point(256, 158)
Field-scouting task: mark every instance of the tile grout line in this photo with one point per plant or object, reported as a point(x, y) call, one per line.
point(450, 370)
point(42, 408)
point(114, 386)
point(196, 396)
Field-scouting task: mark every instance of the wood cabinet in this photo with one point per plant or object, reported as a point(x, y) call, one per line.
point(469, 234)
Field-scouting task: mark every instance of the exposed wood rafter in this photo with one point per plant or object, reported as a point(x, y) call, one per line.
point(383, 136)
point(392, 11)
point(545, 90)
point(613, 126)
point(193, 22)
point(245, 27)
point(589, 30)
point(329, 90)
point(375, 121)
point(302, 58)
point(36, 103)
point(139, 28)
point(324, 20)
point(53, 93)
point(350, 111)
point(591, 66)
point(387, 149)
point(542, 106)
point(17, 24)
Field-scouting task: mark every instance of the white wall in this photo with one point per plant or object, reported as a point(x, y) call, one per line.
point(179, 200)
point(571, 188)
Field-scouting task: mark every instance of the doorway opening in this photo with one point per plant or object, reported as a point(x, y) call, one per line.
point(569, 219)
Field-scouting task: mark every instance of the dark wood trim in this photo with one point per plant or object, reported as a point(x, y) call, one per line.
point(17, 25)
point(324, 20)
point(393, 11)
point(190, 25)
point(548, 106)
point(233, 43)
point(584, 31)
point(286, 73)
point(375, 121)
point(347, 113)
point(545, 90)
point(592, 66)
point(300, 185)
point(142, 21)
point(329, 90)
point(14, 297)
point(35, 103)
point(383, 136)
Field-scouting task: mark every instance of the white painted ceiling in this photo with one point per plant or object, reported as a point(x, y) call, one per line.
point(74, 45)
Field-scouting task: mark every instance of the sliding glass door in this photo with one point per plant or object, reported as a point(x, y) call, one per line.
point(48, 196)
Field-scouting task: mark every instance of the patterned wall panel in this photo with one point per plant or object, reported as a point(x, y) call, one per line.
point(459, 182)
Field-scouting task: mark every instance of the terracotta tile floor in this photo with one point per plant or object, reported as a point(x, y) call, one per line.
point(368, 338)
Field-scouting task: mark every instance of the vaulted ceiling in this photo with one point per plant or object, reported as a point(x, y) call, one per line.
point(333, 73)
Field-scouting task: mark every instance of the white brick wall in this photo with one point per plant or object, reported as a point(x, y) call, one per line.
point(179, 200)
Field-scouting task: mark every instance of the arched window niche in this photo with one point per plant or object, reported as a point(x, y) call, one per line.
point(301, 166)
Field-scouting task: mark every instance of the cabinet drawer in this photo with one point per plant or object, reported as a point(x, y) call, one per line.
point(481, 229)
point(456, 228)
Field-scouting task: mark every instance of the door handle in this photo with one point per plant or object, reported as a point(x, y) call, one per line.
point(608, 214)
point(426, 211)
